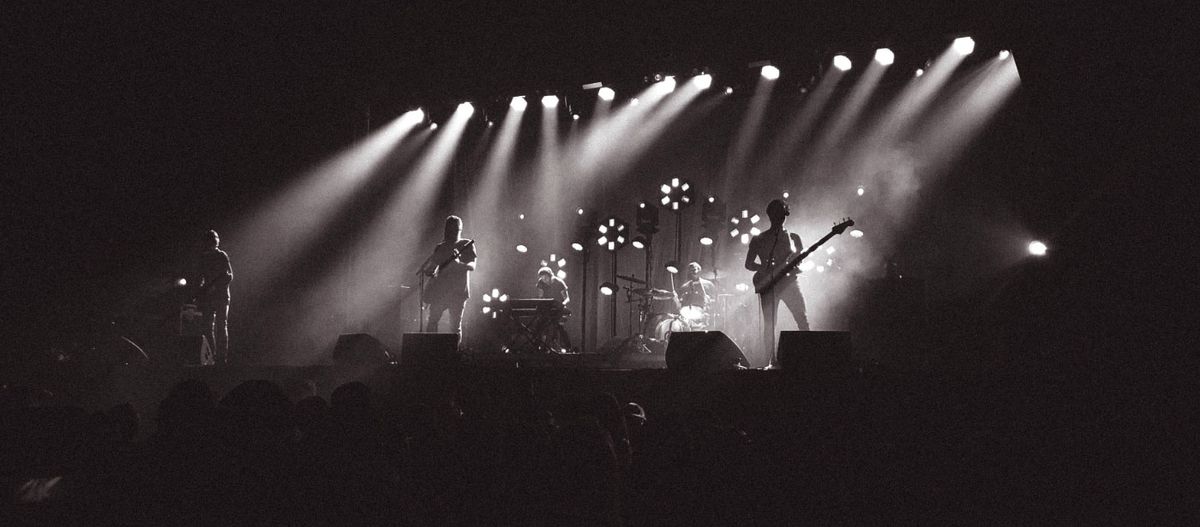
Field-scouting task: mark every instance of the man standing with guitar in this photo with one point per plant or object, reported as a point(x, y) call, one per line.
point(212, 295)
point(448, 268)
point(768, 256)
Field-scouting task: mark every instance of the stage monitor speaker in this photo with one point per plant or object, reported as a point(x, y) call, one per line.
point(360, 348)
point(815, 352)
point(429, 350)
point(703, 352)
point(193, 350)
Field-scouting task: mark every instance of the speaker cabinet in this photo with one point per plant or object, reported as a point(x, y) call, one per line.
point(430, 350)
point(360, 348)
point(815, 352)
point(703, 352)
point(193, 350)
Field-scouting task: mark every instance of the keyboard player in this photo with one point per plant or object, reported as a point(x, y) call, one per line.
point(549, 324)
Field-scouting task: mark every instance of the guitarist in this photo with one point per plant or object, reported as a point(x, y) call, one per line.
point(448, 268)
point(767, 251)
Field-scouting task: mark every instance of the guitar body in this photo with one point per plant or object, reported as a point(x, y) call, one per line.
point(766, 279)
point(440, 287)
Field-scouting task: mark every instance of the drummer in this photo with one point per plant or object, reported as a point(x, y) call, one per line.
point(696, 291)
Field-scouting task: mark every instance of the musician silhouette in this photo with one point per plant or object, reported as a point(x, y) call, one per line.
point(449, 267)
point(767, 252)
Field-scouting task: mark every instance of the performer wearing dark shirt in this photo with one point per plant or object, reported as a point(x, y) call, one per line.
point(449, 266)
point(768, 250)
point(549, 327)
point(212, 297)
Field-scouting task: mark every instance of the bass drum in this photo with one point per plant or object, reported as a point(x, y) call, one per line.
point(663, 325)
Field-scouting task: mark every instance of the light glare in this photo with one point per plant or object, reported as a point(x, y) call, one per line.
point(842, 63)
point(550, 101)
point(964, 45)
point(703, 81)
point(1037, 248)
point(769, 72)
point(606, 94)
point(518, 103)
point(885, 56)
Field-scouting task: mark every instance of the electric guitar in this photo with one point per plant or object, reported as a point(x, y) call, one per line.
point(435, 287)
point(766, 278)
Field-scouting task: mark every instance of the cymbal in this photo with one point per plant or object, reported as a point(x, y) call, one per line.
point(631, 279)
point(656, 294)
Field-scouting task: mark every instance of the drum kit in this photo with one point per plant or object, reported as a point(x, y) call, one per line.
point(659, 315)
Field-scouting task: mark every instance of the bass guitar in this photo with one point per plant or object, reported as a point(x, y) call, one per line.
point(766, 278)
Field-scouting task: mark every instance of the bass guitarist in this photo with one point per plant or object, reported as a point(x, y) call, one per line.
point(448, 268)
point(768, 251)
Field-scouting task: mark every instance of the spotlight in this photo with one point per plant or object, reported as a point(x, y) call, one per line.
point(706, 240)
point(558, 264)
point(842, 63)
point(491, 124)
point(492, 302)
point(786, 195)
point(728, 90)
point(702, 81)
point(919, 72)
point(577, 246)
point(433, 126)
point(884, 56)
point(856, 233)
point(742, 287)
point(418, 114)
point(639, 242)
point(672, 267)
point(1004, 54)
point(964, 45)
point(668, 83)
point(609, 289)
point(769, 72)
point(182, 282)
point(1037, 248)
point(606, 94)
point(521, 216)
point(467, 107)
point(550, 101)
point(860, 190)
point(518, 103)
point(579, 212)
point(575, 117)
point(521, 248)
point(634, 101)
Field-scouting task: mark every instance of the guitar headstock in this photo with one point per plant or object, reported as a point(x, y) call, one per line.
point(841, 227)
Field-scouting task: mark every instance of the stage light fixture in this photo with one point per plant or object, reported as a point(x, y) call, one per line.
point(964, 45)
point(606, 94)
point(579, 212)
point(433, 126)
point(842, 63)
point(467, 108)
point(1037, 248)
point(745, 226)
point(668, 83)
point(577, 246)
point(786, 195)
point(728, 90)
point(856, 233)
point(491, 124)
point(634, 101)
point(639, 242)
point(672, 267)
point(492, 301)
point(860, 191)
point(549, 101)
point(885, 56)
point(702, 81)
point(609, 289)
point(575, 117)
point(706, 240)
point(742, 287)
point(521, 248)
point(677, 195)
point(558, 264)
point(182, 282)
point(521, 216)
point(919, 72)
point(769, 72)
point(1004, 54)
point(518, 103)
point(613, 234)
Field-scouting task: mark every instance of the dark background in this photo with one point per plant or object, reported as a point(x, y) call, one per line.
point(130, 129)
